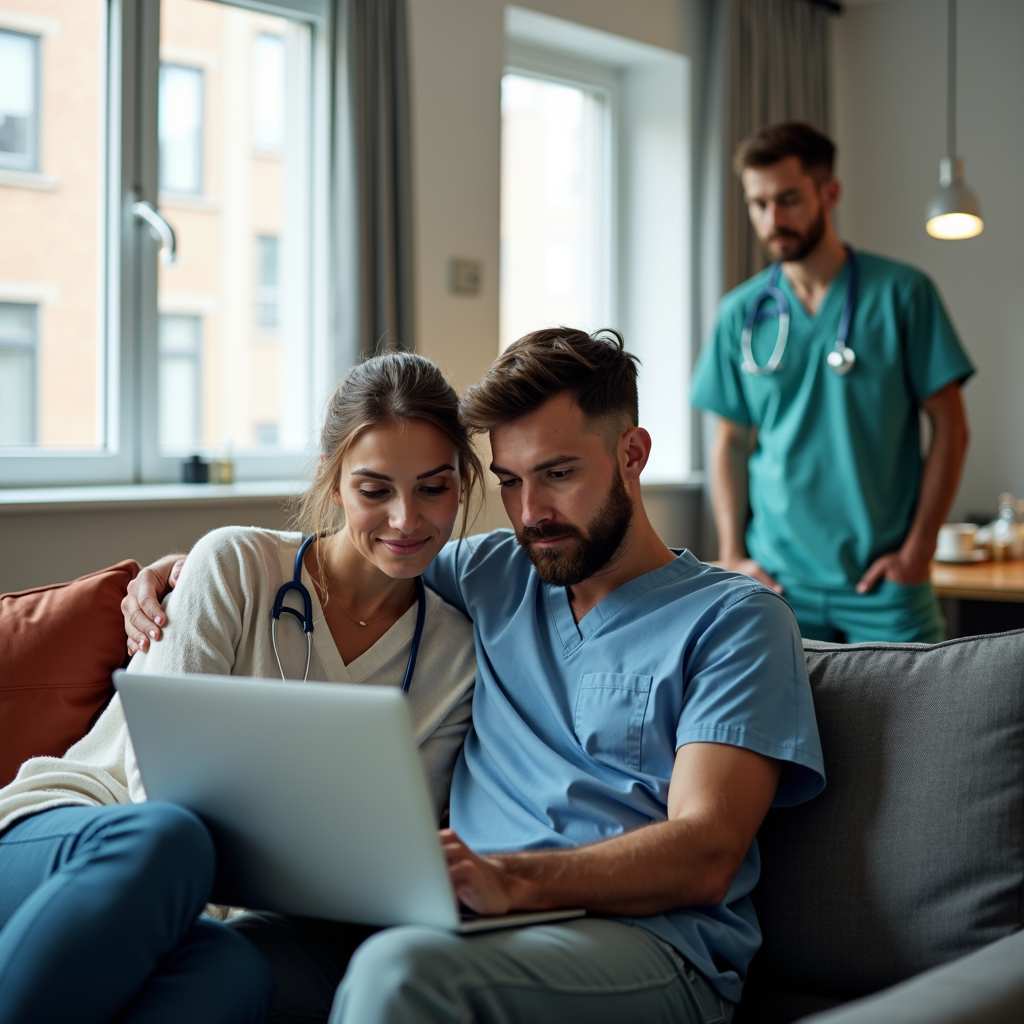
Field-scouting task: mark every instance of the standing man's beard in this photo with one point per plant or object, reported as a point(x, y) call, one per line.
point(805, 242)
point(573, 563)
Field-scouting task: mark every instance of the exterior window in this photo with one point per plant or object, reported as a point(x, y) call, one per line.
point(267, 284)
point(555, 207)
point(180, 381)
point(266, 435)
point(268, 65)
point(19, 101)
point(18, 342)
point(181, 129)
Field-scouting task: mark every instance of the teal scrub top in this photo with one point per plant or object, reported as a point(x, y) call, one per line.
point(576, 724)
point(834, 480)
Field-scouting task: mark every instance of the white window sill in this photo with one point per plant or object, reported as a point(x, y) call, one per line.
point(66, 499)
point(29, 179)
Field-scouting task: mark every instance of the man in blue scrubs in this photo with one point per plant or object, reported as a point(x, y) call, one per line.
point(636, 713)
point(843, 512)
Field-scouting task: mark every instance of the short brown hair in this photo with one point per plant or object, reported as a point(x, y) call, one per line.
point(594, 368)
point(815, 151)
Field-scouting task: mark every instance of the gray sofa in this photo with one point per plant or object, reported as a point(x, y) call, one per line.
point(898, 894)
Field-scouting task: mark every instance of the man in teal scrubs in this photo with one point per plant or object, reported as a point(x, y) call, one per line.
point(843, 511)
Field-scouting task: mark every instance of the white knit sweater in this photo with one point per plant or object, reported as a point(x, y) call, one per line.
point(219, 623)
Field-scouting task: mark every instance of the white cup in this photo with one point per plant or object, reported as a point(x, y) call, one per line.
point(956, 539)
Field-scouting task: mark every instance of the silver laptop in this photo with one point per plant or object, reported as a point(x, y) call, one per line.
point(314, 793)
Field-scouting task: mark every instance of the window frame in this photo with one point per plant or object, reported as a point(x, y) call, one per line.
point(33, 163)
point(128, 336)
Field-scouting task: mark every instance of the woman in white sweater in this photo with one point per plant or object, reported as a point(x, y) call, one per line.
point(102, 890)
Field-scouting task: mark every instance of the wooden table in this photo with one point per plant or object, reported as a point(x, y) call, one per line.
point(980, 581)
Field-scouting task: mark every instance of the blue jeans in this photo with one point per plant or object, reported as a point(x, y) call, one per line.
point(99, 919)
point(591, 970)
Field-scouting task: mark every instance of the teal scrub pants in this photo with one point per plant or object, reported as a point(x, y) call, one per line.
point(891, 613)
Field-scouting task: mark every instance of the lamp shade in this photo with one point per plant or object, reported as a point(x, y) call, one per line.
point(954, 211)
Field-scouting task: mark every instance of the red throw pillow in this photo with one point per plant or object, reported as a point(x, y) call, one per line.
point(58, 647)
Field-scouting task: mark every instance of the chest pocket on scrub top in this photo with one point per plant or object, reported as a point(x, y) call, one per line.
point(610, 709)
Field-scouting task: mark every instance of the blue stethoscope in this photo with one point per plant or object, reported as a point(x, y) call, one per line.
point(306, 616)
point(840, 360)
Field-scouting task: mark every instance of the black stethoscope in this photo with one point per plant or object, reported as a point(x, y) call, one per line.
point(306, 617)
point(840, 360)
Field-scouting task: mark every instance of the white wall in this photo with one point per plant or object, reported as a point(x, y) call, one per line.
point(890, 93)
point(50, 543)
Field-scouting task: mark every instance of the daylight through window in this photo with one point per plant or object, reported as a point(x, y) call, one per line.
point(555, 207)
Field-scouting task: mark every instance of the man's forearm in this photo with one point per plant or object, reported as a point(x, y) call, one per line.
point(729, 457)
point(941, 475)
point(652, 869)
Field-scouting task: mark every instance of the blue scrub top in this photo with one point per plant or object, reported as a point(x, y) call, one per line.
point(834, 480)
point(576, 726)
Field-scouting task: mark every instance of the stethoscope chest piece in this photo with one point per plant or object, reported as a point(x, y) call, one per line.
point(841, 360)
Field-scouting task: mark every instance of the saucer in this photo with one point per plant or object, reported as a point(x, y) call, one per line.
point(959, 557)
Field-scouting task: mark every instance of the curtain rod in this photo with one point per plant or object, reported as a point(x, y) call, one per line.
point(832, 6)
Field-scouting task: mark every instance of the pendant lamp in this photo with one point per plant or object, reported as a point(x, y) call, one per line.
point(953, 212)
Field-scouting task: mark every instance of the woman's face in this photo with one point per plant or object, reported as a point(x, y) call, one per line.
point(399, 487)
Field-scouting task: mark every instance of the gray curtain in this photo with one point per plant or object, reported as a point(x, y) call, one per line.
point(777, 69)
point(754, 62)
point(373, 294)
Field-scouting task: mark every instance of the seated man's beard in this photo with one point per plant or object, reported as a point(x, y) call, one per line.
point(592, 551)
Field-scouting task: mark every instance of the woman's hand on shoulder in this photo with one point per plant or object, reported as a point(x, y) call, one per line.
point(143, 614)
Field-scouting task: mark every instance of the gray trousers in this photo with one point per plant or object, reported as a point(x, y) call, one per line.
point(590, 970)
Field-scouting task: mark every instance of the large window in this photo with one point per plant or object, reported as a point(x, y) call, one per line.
point(556, 208)
point(201, 121)
point(595, 210)
point(18, 334)
point(19, 101)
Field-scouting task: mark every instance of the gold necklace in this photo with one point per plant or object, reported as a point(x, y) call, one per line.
point(360, 622)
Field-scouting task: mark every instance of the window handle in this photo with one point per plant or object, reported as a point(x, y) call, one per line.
point(162, 231)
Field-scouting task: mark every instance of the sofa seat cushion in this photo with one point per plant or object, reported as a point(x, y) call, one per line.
point(58, 647)
point(914, 854)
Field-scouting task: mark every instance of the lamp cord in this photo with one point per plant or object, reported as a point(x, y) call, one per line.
point(951, 83)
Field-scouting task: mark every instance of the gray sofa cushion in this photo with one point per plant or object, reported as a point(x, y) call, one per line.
point(914, 853)
point(986, 987)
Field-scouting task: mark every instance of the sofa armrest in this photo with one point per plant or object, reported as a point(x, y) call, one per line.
point(986, 986)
